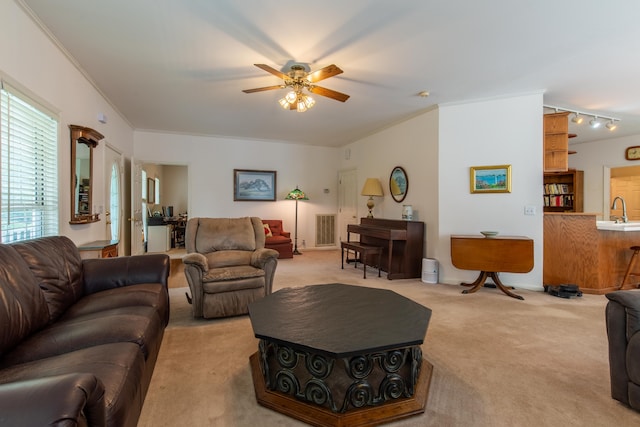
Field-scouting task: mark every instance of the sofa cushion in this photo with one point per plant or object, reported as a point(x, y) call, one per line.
point(23, 308)
point(145, 294)
point(60, 276)
point(139, 325)
point(119, 366)
point(218, 234)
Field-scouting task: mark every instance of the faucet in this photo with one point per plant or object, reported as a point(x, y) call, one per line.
point(624, 208)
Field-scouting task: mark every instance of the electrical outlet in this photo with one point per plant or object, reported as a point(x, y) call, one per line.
point(529, 210)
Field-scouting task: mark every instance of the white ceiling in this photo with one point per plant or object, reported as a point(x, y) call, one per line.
point(180, 66)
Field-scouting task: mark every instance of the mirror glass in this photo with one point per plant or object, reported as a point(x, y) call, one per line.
point(83, 140)
point(398, 184)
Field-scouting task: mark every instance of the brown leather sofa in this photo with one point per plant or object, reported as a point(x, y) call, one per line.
point(227, 266)
point(279, 239)
point(623, 331)
point(78, 338)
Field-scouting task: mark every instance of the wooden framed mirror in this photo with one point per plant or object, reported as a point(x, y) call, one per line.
point(83, 141)
point(398, 184)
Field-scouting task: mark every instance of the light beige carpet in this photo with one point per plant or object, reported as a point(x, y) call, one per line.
point(497, 361)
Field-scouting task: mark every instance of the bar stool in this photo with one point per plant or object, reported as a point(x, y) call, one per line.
point(630, 268)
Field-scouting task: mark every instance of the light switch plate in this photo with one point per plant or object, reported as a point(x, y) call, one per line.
point(529, 210)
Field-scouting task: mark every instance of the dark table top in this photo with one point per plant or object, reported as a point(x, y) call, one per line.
point(339, 320)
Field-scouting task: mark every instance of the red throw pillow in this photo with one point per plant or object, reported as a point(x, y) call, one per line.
point(267, 230)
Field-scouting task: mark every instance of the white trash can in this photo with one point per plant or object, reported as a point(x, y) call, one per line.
point(429, 270)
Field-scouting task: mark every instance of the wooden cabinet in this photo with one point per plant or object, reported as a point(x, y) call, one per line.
point(556, 142)
point(576, 252)
point(99, 249)
point(564, 191)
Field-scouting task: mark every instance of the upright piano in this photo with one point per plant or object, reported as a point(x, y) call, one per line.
point(402, 242)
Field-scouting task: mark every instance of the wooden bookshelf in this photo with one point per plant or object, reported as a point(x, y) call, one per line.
point(564, 191)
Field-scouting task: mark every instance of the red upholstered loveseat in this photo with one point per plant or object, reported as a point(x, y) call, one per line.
point(279, 240)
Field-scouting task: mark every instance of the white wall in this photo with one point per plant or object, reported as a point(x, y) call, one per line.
point(30, 61)
point(211, 161)
point(504, 131)
point(437, 149)
point(594, 158)
point(412, 144)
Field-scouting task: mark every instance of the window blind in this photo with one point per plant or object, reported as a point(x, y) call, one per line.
point(29, 168)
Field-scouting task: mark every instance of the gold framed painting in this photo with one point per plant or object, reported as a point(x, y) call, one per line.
point(490, 179)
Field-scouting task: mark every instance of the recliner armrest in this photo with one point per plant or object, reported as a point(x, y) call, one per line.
point(630, 300)
point(71, 399)
point(261, 256)
point(196, 259)
point(107, 273)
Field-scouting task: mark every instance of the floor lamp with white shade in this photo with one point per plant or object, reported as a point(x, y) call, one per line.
point(296, 195)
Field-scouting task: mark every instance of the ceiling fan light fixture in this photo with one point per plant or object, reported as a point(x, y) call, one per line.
point(291, 97)
point(284, 103)
point(302, 106)
point(309, 101)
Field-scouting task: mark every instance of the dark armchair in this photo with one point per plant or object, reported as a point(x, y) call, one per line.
point(623, 331)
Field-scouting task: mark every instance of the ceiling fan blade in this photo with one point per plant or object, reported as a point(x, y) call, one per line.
point(262, 89)
point(338, 96)
point(272, 70)
point(324, 73)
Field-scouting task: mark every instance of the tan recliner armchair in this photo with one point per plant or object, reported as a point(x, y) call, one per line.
point(227, 265)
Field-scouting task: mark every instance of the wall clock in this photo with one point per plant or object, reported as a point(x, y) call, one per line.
point(632, 153)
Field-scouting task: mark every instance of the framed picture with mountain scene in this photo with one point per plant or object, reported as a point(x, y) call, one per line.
point(254, 185)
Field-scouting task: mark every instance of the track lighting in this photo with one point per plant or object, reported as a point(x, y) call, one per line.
point(595, 122)
point(577, 119)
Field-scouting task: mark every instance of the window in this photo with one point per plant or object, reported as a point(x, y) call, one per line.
point(28, 168)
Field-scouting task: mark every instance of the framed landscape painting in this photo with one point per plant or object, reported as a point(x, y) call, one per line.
point(490, 179)
point(254, 185)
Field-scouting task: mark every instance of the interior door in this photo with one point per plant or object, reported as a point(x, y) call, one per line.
point(114, 171)
point(137, 237)
point(347, 201)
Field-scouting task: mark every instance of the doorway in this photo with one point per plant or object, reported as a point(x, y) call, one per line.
point(347, 201)
point(114, 171)
point(168, 206)
point(625, 182)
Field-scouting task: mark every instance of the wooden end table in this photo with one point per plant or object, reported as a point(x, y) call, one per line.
point(491, 255)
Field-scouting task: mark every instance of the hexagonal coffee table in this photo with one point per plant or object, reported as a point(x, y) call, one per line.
point(340, 355)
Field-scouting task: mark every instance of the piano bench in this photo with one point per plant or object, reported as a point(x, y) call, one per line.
point(364, 250)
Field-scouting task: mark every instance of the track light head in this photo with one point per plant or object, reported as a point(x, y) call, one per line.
point(611, 125)
point(577, 118)
point(594, 122)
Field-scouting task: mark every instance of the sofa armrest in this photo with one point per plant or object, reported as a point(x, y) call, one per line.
point(64, 400)
point(286, 234)
point(197, 260)
point(622, 316)
point(630, 301)
point(107, 273)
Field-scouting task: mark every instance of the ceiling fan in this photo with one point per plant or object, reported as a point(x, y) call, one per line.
point(299, 79)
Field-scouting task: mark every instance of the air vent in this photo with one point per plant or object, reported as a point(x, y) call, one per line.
point(325, 230)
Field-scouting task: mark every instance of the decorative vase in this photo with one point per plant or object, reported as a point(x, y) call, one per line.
point(407, 212)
